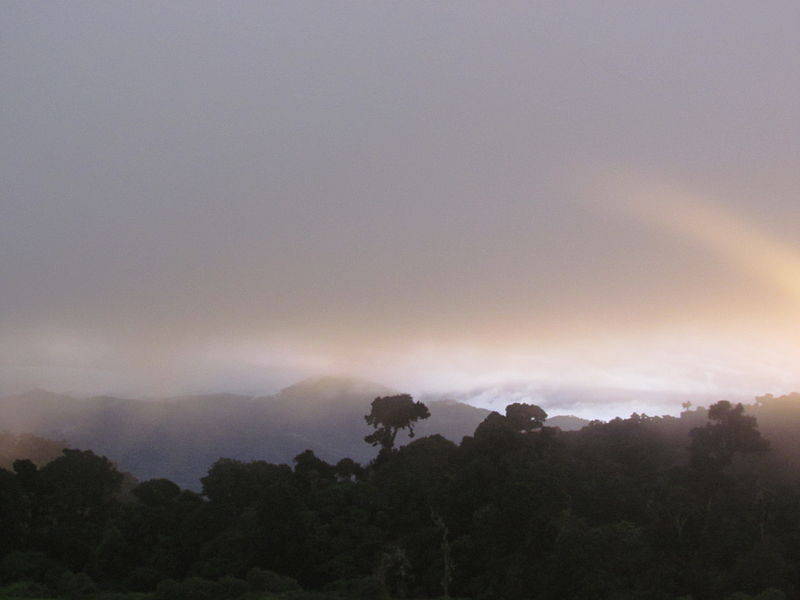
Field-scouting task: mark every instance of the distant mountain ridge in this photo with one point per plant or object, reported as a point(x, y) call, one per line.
point(179, 438)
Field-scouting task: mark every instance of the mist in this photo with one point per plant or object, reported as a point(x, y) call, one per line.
point(207, 197)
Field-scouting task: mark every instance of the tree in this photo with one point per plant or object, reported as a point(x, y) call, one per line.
point(77, 493)
point(311, 471)
point(79, 486)
point(157, 492)
point(520, 418)
point(730, 432)
point(389, 415)
point(525, 417)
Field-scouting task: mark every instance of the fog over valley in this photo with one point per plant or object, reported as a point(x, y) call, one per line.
point(378, 300)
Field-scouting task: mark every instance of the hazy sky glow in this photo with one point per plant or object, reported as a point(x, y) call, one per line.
point(440, 196)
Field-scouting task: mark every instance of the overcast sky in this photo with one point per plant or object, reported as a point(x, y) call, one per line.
point(437, 195)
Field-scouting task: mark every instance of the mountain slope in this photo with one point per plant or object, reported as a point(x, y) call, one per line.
point(179, 438)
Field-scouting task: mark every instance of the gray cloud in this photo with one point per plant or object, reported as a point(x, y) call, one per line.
point(334, 186)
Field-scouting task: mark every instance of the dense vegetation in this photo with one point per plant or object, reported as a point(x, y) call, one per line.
point(639, 508)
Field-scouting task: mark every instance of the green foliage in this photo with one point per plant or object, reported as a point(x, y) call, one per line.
point(520, 511)
point(156, 492)
point(264, 580)
point(77, 586)
point(233, 587)
point(525, 417)
point(106, 595)
point(142, 579)
point(768, 594)
point(307, 595)
point(24, 589)
point(193, 588)
point(732, 431)
point(24, 565)
point(362, 588)
point(771, 594)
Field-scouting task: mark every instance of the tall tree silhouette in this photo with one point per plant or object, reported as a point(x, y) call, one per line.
point(525, 417)
point(730, 431)
point(389, 415)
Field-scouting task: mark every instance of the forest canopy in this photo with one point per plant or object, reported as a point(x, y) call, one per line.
point(696, 506)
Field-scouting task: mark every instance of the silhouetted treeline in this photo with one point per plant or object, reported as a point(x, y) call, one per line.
point(179, 438)
point(651, 508)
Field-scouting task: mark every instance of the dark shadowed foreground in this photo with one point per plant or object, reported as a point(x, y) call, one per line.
point(700, 506)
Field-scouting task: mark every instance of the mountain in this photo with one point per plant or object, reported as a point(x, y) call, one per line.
point(567, 422)
point(179, 438)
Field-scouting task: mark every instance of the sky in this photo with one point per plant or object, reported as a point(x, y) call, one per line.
point(591, 203)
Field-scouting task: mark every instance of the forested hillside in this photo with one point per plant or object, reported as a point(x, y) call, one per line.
point(178, 438)
point(699, 506)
